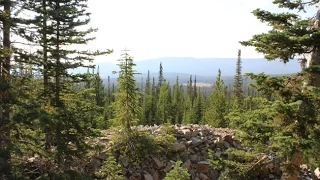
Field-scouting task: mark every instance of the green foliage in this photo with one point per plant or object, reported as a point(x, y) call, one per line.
point(53, 112)
point(164, 104)
point(241, 155)
point(287, 124)
point(152, 117)
point(105, 121)
point(134, 147)
point(147, 104)
point(110, 169)
point(199, 108)
point(215, 161)
point(290, 35)
point(217, 109)
point(238, 82)
point(190, 108)
point(99, 90)
point(160, 78)
point(178, 173)
point(254, 124)
point(293, 111)
point(238, 168)
point(165, 139)
point(127, 100)
point(296, 123)
point(177, 104)
point(296, 112)
point(188, 113)
point(139, 145)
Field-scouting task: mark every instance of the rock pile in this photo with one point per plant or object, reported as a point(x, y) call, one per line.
point(191, 147)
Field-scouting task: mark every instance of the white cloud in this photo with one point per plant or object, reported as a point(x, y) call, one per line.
point(166, 28)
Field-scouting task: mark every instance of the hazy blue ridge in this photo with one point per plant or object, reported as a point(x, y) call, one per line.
point(204, 68)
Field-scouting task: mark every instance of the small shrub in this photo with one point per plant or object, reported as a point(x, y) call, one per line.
point(165, 139)
point(215, 162)
point(110, 169)
point(237, 169)
point(139, 145)
point(178, 173)
point(136, 147)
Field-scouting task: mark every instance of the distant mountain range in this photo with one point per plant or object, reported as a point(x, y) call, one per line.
point(204, 68)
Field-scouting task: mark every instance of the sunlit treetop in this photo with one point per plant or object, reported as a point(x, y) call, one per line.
point(291, 35)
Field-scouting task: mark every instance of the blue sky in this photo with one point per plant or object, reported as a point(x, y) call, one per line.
point(176, 28)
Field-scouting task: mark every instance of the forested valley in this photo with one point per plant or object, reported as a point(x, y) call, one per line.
point(55, 124)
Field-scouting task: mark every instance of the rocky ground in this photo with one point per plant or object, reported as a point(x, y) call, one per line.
point(191, 147)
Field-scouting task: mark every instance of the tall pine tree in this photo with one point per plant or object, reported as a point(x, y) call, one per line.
point(127, 96)
point(237, 85)
point(163, 104)
point(5, 91)
point(160, 78)
point(217, 104)
point(177, 103)
point(292, 36)
point(199, 108)
point(147, 111)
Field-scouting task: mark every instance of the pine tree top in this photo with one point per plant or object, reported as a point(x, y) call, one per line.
point(291, 34)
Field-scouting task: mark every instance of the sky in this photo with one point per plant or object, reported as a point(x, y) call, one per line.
point(175, 28)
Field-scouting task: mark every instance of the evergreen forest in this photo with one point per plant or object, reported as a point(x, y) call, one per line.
point(55, 124)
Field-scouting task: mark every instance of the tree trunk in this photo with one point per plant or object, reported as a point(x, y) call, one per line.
point(58, 64)
point(45, 70)
point(296, 161)
point(5, 91)
point(314, 59)
point(314, 80)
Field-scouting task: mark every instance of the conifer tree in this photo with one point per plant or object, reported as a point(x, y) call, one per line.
point(109, 94)
point(12, 23)
point(141, 88)
point(99, 89)
point(113, 91)
point(126, 102)
point(194, 95)
point(199, 108)
point(153, 118)
point(147, 103)
point(148, 83)
point(178, 173)
point(156, 95)
point(190, 88)
point(108, 112)
point(110, 169)
point(160, 78)
point(188, 116)
point(5, 69)
point(217, 104)
point(163, 104)
point(292, 36)
point(177, 103)
point(57, 104)
point(169, 103)
point(188, 110)
point(237, 85)
point(66, 18)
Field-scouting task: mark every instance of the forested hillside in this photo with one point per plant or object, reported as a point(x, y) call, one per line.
point(58, 125)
